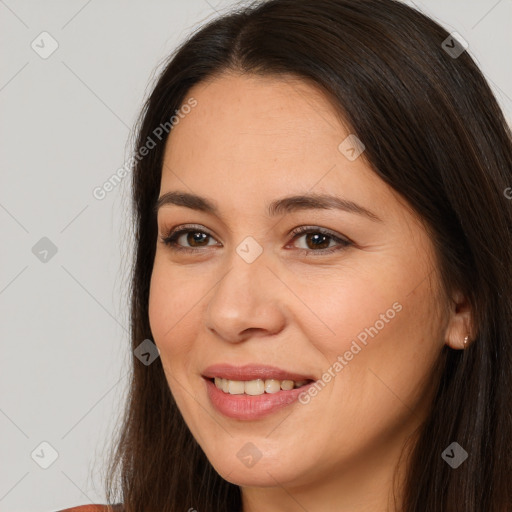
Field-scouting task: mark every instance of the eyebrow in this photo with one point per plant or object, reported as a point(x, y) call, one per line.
point(280, 206)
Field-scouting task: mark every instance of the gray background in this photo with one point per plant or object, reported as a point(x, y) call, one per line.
point(65, 128)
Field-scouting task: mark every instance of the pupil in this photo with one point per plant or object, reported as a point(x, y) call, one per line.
point(316, 236)
point(192, 237)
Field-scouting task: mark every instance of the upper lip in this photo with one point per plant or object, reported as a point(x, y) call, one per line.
point(252, 372)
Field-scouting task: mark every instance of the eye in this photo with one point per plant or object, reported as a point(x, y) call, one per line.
point(194, 235)
point(318, 240)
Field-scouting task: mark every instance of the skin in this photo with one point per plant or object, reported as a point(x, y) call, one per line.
point(249, 141)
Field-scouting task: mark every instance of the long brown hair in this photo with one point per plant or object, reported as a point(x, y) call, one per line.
point(434, 132)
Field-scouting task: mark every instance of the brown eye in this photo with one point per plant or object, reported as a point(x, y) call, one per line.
point(194, 237)
point(318, 240)
point(187, 239)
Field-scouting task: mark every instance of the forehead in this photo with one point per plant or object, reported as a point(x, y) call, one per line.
point(251, 138)
point(265, 98)
point(253, 117)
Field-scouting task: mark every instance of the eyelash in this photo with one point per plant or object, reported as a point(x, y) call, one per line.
point(173, 235)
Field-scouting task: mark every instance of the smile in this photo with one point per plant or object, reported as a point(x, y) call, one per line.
point(244, 406)
point(257, 386)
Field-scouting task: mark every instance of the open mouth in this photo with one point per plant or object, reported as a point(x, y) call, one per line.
point(258, 386)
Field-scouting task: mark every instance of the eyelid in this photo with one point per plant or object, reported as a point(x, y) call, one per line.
point(318, 229)
point(181, 229)
point(177, 231)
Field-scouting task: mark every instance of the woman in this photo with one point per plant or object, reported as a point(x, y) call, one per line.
point(323, 255)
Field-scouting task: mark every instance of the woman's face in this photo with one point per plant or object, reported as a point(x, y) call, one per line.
point(367, 314)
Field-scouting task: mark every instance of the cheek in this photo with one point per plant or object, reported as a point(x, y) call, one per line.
point(347, 304)
point(374, 296)
point(174, 300)
point(377, 331)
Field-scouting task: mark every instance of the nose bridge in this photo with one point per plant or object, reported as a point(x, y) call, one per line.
point(247, 267)
point(241, 285)
point(245, 296)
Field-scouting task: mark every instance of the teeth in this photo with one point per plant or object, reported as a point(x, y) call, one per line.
point(272, 386)
point(256, 387)
point(236, 387)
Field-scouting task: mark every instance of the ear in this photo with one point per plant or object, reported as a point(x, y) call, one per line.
point(460, 322)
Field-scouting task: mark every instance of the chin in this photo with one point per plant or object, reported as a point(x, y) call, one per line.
point(250, 467)
point(260, 475)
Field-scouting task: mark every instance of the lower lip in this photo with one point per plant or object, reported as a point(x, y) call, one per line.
point(247, 407)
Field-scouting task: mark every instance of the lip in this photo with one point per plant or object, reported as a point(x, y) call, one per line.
point(248, 407)
point(252, 372)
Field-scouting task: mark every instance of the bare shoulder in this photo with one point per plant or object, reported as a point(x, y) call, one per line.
point(94, 508)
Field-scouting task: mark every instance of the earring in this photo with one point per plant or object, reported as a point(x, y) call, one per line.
point(466, 341)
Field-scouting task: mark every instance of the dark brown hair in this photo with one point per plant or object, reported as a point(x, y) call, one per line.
point(434, 132)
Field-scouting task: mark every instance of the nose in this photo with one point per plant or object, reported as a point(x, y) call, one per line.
point(247, 302)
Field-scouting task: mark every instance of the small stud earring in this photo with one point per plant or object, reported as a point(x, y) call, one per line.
point(466, 341)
